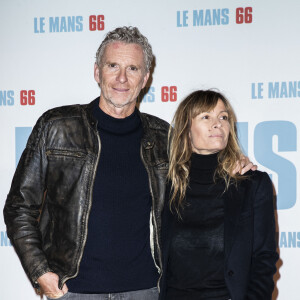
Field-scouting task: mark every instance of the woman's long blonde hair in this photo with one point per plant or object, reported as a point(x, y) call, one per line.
point(180, 150)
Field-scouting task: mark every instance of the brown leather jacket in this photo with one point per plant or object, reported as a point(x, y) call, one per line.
point(48, 206)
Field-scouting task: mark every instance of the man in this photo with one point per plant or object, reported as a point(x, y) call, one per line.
point(90, 182)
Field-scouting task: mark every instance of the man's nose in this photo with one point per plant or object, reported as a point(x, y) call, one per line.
point(122, 77)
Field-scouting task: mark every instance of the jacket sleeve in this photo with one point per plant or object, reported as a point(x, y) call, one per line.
point(24, 203)
point(264, 255)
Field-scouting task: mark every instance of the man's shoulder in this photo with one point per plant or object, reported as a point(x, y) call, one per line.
point(154, 122)
point(61, 112)
point(66, 112)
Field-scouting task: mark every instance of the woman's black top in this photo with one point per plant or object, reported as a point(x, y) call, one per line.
point(196, 260)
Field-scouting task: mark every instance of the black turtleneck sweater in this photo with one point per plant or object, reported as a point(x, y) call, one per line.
point(117, 255)
point(196, 264)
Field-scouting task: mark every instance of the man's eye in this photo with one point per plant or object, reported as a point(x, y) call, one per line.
point(112, 65)
point(133, 68)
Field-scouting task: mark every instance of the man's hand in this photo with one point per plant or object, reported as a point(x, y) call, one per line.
point(49, 285)
point(244, 165)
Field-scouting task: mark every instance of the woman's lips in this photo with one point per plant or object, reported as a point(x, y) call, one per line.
point(216, 136)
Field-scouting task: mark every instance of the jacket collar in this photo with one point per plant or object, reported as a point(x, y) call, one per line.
point(89, 112)
point(148, 140)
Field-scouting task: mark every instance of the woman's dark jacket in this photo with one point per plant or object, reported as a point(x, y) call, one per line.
point(249, 238)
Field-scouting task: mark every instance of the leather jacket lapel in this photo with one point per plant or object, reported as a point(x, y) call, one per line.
point(233, 201)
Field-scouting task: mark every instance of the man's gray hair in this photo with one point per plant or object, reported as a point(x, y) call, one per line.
point(128, 35)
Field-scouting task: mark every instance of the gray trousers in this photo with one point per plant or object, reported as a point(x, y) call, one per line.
point(148, 294)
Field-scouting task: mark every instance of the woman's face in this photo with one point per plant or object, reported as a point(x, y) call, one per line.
point(210, 130)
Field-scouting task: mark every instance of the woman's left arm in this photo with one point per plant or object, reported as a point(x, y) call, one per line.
point(264, 255)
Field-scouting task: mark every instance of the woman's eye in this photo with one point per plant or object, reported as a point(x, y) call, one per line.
point(206, 117)
point(224, 118)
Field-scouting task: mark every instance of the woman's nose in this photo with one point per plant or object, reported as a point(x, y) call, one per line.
point(217, 123)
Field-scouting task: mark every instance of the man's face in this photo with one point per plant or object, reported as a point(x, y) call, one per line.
point(121, 75)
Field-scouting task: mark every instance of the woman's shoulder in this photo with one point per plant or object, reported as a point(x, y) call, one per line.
point(257, 175)
point(257, 178)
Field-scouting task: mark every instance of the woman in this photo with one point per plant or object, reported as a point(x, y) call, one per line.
point(218, 230)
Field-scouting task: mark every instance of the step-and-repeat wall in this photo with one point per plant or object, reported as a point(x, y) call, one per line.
point(248, 49)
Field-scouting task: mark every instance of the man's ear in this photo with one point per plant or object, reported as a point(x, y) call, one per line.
point(146, 77)
point(97, 73)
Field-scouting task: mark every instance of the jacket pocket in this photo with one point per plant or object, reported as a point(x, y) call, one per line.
point(162, 166)
point(65, 153)
point(65, 296)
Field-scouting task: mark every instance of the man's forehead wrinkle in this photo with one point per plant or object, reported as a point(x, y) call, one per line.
point(118, 44)
point(116, 53)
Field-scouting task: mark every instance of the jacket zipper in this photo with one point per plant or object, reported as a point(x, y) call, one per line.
point(155, 224)
point(88, 212)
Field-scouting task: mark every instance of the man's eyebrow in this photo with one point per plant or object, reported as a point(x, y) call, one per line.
point(136, 66)
point(131, 65)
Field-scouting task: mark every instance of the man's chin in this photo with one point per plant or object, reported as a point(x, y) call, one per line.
point(121, 104)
